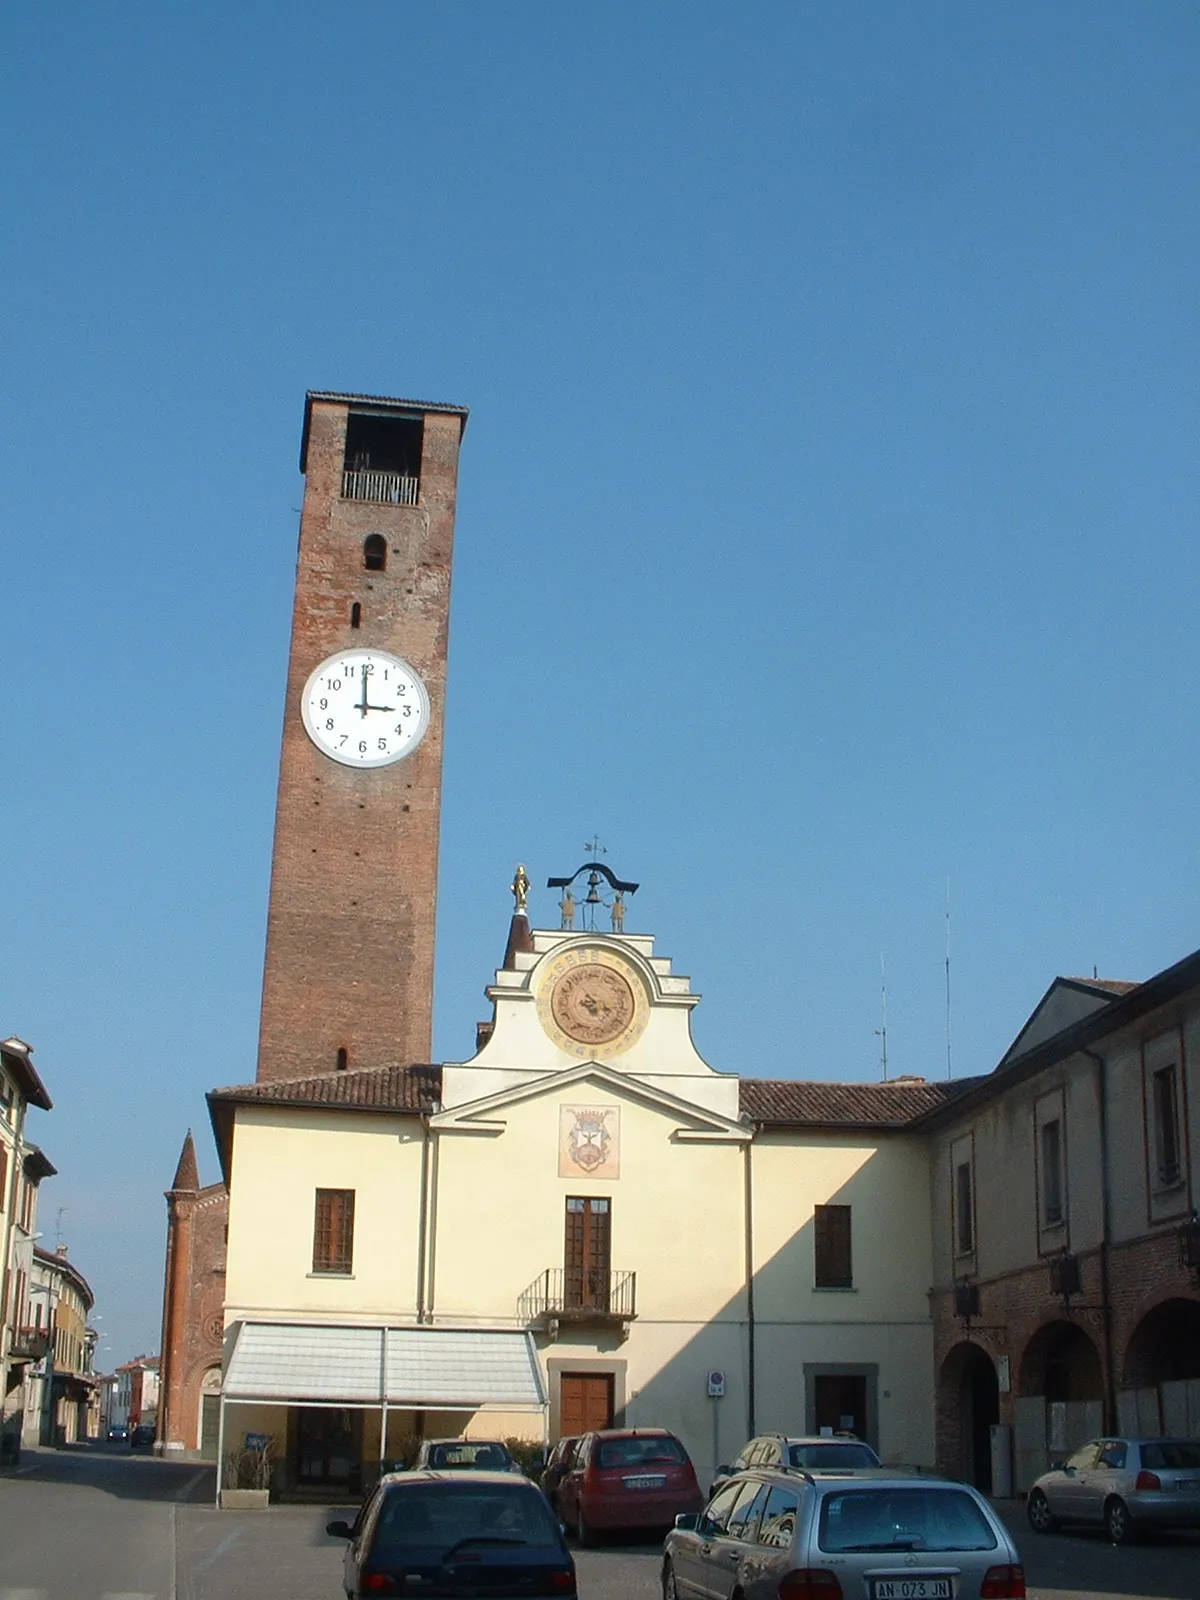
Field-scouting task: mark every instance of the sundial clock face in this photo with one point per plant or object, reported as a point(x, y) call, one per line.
point(593, 1003)
point(365, 708)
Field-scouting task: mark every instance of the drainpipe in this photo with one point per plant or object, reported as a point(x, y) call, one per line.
point(748, 1173)
point(1110, 1376)
point(422, 1228)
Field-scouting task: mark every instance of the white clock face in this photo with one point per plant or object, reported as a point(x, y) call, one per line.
point(365, 708)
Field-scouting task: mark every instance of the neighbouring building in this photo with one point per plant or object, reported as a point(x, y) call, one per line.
point(1066, 1241)
point(23, 1339)
point(63, 1404)
point(133, 1393)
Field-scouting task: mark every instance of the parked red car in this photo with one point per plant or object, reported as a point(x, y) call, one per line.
point(627, 1478)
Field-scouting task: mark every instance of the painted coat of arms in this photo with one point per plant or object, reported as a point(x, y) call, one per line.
point(589, 1140)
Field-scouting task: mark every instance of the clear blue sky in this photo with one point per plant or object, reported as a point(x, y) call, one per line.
point(827, 528)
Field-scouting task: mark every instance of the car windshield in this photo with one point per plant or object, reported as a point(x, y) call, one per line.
point(437, 1515)
point(640, 1452)
point(1168, 1453)
point(918, 1518)
point(481, 1457)
point(839, 1454)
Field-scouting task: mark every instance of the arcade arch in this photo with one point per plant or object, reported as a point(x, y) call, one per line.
point(969, 1402)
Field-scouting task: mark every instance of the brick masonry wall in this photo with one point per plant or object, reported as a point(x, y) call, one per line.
point(1143, 1273)
point(194, 1308)
point(350, 931)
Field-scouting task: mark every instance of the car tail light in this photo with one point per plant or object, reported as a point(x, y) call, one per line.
point(1003, 1583)
point(810, 1583)
point(561, 1582)
point(1148, 1480)
point(377, 1583)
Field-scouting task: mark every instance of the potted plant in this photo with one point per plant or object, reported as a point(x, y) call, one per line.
point(246, 1475)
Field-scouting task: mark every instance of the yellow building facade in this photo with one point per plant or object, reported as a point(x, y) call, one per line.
point(585, 1224)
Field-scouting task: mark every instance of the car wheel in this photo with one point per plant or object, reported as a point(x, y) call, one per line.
point(670, 1587)
point(1037, 1509)
point(1118, 1522)
point(584, 1531)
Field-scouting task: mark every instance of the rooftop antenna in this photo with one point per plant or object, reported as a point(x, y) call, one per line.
point(881, 1031)
point(949, 1057)
point(58, 1226)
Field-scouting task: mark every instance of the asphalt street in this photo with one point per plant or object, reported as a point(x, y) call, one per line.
point(96, 1524)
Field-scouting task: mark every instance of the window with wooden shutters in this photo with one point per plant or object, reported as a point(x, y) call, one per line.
point(3, 1176)
point(333, 1231)
point(831, 1240)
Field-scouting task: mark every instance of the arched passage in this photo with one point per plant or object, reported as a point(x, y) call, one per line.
point(1061, 1364)
point(1165, 1345)
point(969, 1403)
point(1160, 1376)
point(1060, 1397)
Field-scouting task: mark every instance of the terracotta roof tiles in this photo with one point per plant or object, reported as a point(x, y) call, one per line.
point(407, 1088)
point(788, 1102)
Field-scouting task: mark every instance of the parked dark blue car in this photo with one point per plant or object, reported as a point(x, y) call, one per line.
point(455, 1533)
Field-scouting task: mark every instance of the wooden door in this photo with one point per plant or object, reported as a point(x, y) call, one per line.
point(586, 1254)
point(585, 1402)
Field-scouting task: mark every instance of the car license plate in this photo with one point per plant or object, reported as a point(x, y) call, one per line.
point(646, 1480)
point(912, 1589)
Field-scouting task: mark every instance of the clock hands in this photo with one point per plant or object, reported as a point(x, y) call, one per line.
point(363, 704)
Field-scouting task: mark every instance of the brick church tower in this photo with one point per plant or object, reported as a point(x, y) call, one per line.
point(350, 933)
point(348, 978)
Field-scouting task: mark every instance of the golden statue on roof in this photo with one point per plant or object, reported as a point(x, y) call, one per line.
point(520, 889)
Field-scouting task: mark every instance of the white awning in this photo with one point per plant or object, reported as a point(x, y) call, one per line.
point(436, 1368)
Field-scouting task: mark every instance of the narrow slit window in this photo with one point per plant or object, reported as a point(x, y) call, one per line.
point(1052, 1174)
point(343, 1059)
point(355, 614)
point(375, 552)
point(1166, 1127)
point(964, 1209)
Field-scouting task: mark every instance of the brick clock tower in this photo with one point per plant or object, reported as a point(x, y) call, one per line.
point(348, 980)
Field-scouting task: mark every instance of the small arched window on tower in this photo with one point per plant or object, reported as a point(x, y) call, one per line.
point(375, 552)
point(355, 614)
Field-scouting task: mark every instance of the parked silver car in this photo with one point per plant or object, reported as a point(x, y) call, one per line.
point(816, 1452)
point(871, 1536)
point(1126, 1484)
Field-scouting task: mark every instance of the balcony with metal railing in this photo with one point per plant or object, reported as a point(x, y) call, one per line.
point(578, 1294)
point(29, 1343)
point(381, 488)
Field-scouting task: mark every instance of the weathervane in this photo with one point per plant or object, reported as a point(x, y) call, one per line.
point(597, 873)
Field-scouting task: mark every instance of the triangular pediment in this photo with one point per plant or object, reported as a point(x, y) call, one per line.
point(489, 1113)
point(1065, 1002)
